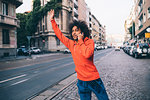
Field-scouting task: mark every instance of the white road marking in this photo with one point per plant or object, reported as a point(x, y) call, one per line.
point(19, 82)
point(12, 78)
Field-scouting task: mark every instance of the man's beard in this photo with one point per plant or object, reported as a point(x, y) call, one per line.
point(76, 39)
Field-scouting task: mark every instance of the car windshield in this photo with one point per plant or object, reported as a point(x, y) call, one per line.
point(23, 49)
point(35, 48)
point(143, 45)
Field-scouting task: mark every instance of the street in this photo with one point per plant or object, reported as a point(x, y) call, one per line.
point(22, 79)
point(125, 77)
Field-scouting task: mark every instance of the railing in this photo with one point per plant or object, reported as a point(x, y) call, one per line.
point(9, 20)
point(76, 3)
point(76, 12)
point(140, 27)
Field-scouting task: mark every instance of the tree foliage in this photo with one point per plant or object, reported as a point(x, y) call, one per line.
point(38, 12)
point(29, 22)
point(22, 32)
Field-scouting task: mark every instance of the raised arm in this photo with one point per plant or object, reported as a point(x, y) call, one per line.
point(57, 31)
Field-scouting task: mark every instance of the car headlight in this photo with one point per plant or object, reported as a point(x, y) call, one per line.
point(149, 50)
point(139, 50)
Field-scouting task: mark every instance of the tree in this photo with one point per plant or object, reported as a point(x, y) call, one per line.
point(38, 12)
point(29, 22)
point(21, 32)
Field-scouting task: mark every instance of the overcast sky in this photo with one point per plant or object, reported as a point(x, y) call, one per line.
point(111, 13)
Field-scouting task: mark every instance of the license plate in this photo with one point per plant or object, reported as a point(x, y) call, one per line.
point(144, 54)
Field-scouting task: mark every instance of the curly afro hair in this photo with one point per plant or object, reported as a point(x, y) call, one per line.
point(80, 25)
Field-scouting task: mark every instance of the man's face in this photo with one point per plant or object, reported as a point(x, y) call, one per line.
point(75, 33)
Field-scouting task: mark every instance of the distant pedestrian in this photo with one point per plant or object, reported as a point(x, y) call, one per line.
point(82, 50)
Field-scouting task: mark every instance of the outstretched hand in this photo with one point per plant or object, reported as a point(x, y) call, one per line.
point(51, 13)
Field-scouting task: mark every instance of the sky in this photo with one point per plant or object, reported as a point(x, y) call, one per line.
point(111, 13)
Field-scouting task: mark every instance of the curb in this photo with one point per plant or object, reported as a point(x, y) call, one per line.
point(54, 90)
point(53, 96)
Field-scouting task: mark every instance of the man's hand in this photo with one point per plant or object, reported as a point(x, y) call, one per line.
point(80, 36)
point(51, 13)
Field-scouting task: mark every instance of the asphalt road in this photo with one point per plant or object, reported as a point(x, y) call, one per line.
point(124, 78)
point(22, 79)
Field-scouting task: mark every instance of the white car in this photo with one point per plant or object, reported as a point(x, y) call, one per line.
point(67, 51)
point(117, 48)
point(35, 50)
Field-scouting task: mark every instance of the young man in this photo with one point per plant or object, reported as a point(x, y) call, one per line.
point(82, 50)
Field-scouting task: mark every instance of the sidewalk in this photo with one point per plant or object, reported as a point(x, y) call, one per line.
point(13, 58)
point(64, 90)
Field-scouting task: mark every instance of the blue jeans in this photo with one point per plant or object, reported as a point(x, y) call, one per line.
point(86, 87)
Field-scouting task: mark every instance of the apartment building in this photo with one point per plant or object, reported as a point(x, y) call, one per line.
point(129, 24)
point(45, 38)
point(98, 32)
point(8, 26)
point(142, 19)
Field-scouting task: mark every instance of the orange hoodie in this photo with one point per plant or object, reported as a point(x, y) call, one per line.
point(82, 53)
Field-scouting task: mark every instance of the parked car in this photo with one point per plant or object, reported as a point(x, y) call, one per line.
point(117, 48)
point(66, 51)
point(35, 50)
point(98, 48)
point(23, 51)
point(131, 50)
point(141, 49)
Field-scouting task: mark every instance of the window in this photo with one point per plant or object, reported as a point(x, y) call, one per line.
point(43, 2)
point(43, 28)
point(12, 11)
point(57, 14)
point(148, 15)
point(40, 25)
point(6, 39)
point(144, 18)
point(43, 19)
point(57, 41)
point(141, 22)
point(45, 22)
point(61, 20)
point(4, 8)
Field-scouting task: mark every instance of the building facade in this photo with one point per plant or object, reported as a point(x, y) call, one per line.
point(142, 19)
point(8, 26)
point(45, 38)
point(98, 32)
point(129, 24)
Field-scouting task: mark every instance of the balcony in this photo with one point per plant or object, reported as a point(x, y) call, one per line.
point(75, 12)
point(75, 4)
point(140, 27)
point(75, 18)
point(9, 21)
point(16, 2)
